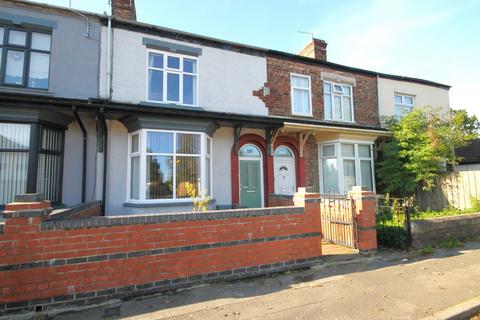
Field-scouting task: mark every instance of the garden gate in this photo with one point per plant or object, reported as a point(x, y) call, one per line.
point(338, 217)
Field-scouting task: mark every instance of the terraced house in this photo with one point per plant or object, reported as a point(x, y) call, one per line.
point(106, 108)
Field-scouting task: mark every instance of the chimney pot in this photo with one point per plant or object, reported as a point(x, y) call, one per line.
point(316, 49)
point(124, 9)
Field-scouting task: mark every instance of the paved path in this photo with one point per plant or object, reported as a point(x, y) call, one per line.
point(383, 287)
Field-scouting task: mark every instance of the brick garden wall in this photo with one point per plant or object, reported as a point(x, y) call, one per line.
point(60, 263)
point(279, 102)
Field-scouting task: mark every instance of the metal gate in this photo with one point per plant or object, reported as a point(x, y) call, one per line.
point(338, 219)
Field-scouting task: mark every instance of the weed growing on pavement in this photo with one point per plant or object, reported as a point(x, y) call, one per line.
point(426, 251)
point(449, 243)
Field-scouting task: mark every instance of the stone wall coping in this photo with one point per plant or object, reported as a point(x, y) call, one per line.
point(448, 218)
point(26, 213)
point(110, 221)
point(281, 196)
point(29, 197)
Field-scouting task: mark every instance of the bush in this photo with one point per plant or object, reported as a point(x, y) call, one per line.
point(450, 243)
point(392, 237)
point(426, 251)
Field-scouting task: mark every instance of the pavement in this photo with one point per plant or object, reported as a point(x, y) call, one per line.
point(390, 285)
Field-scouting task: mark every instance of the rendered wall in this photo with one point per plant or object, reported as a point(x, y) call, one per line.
point(226, 78)
point(75, 59)
point(424, 95)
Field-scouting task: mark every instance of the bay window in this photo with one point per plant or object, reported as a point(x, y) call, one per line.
point(344, 165)
point(301, 93)
point(24, 57)
point(162, 162)
point(338, 102)
point(171, 78)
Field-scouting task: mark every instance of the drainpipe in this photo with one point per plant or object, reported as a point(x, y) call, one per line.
point(103, 124)
point(84, 152)
point(109, 60)
point(378, 103)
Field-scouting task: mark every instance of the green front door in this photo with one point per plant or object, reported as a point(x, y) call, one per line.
point(250, 184)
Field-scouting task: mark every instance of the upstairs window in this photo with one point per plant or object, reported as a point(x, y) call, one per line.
point(338, 102)
point(301, 95)
point(25, 58)
point(172, 79)
point(403, 105)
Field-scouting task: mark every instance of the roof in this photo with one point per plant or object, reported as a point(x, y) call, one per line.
point(225, 44)
point(470, 154)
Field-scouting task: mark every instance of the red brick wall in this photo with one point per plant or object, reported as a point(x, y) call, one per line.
point(311, 164)
point(280, 200)
point(84, 261)
point(278, 80)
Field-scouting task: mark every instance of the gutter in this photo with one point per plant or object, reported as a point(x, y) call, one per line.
point(335, 129)
point(84, 152)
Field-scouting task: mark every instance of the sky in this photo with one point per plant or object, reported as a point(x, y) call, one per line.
point(437, 40)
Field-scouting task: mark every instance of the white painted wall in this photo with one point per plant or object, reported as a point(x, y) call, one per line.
point(72, 162)
point(425, 95)
point(226, 79)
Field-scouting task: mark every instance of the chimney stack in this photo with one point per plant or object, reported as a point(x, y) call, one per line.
point(124, 9)
point(316, 49)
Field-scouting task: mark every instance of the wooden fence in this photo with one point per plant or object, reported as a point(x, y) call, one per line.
point(454, 190)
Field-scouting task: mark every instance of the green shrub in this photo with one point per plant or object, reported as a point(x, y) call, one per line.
point(443, 213)
point(475, 204)
point(450, 243)
point(392, 237)
point(426, 251)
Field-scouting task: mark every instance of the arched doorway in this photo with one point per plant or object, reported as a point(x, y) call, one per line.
point(251, 176)
point(284, 171)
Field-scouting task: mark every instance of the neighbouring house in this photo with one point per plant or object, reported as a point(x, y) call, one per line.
point(397, 96)
point(49, 63)
point(129, 113)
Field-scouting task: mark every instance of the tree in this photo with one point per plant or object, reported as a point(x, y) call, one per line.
point(421, 148)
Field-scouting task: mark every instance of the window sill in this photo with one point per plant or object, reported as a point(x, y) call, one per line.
point(25, 90)
point(309, 115)
point(170, 105)
point(341, 121)
point(161, 204)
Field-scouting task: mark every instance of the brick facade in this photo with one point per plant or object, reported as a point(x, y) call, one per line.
point(311, 164)
point(279, 103)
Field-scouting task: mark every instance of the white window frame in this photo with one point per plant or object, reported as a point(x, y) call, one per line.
point(143, 165)
point(403, 103)
point(340, 158)
point(333, 95)
point(292, 87)
point(167, 70)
